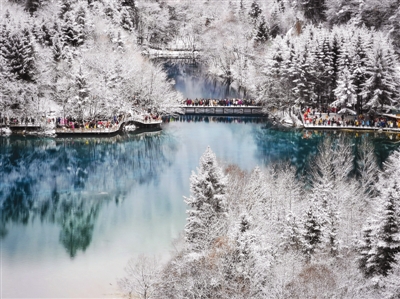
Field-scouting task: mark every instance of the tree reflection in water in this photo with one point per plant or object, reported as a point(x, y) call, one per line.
point(300, 146)
point(66, 181)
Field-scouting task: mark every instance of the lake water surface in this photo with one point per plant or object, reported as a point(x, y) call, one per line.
point(74, 211)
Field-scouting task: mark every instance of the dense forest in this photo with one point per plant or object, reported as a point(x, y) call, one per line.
point(332, 233)
point(85, 58)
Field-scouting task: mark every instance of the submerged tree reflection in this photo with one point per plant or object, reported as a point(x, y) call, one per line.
point(66, 181)
point(300, 146)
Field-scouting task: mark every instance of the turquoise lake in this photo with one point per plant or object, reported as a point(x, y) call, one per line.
point(74, 211)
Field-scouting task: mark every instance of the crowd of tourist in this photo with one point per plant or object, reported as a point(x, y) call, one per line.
point(214, 119)
point(316, 117)
point(17, 121)
point(220, 102)
point(72, 123)
point(151, 117)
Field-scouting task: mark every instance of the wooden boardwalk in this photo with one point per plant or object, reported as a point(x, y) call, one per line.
point(223, 110)
point(85, 132)
point(139, 123)
point(351, 128)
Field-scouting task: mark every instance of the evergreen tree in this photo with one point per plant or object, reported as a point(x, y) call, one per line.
point(73, 27)
point(335, 53)
point(275, 28)
point(79, 103)
point(70, 31)
point(345, 92)
point(380, 88)
point(365, 248)
point(381, 242)
point(262, 32)
point(304, 76)
point(314, 10)
point(80, 23)
point(255, 11)
point(383, 237)
point(312, 232)
point(367, 168)
point(18, 52)
point(45, 35)
point(331, 230)
point(359, 67)
point(129, 14)
point(65, 6)
point(28, 56)
point(291, 236)
point(32, 6)
point(207, 204)
point(275, 83)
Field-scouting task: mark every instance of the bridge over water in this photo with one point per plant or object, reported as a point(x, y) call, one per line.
point(224, 110)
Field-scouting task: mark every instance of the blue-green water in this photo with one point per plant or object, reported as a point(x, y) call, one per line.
point(74, 211)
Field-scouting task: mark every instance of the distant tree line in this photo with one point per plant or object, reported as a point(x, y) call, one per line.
point(347, 66)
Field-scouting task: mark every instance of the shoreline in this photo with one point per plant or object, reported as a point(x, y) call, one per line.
point(352, 128)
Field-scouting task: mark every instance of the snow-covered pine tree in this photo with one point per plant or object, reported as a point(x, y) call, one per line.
point(65, 6)
point(379, 247)
point(328, 63)
point(335, 53)
point(288, 74)
point(78, 103)
point(255, 193)
point(251, 267)
point(312, 232)
point(380, 88)
point(341, 11)
point(129, 14)
point(314, 10)
point(275, 81)
point(364, 249)
point(255, 11)
point(275, 28)
point(359, 66)
point(383, 240)
point(70, 30)
point(304, 79)
point(345, 91)
point(320, 87)
point(331, 226)
point(291, 235)
point(18, 52)
point(28, 56)
point(207, 204)
point(262, 34)
point(345, 57)
point(45, 34)
point(367, 168)
point(80, 21)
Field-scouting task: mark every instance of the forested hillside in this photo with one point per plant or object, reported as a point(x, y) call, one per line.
point(333, 233)
point(85, 56)
point(77, 58)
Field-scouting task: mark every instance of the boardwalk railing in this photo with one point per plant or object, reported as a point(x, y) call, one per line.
point(223, 110)
point(78, 131)
point(354, 128)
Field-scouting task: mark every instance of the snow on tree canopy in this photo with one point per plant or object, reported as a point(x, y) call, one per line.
point(207, 203)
